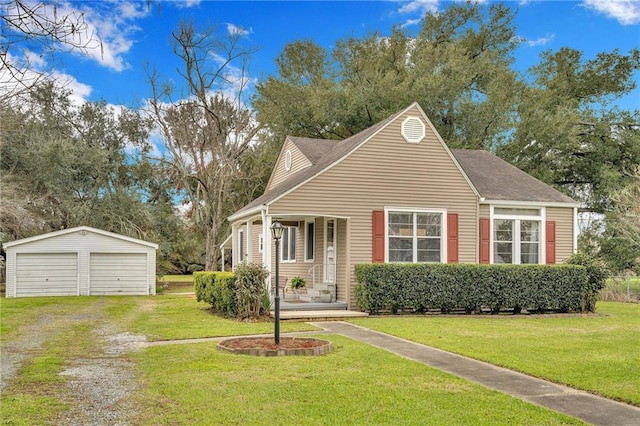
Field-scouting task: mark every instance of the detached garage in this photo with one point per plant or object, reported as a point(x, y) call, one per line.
point(80, 261)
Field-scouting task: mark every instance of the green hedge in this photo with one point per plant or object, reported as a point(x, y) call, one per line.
point(474, 288)
point(217, 289)
point(241, 294)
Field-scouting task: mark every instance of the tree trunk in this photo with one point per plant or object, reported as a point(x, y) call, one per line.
point(211, 256)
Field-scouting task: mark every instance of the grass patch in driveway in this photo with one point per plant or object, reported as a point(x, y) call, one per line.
point(597, 353)
point(28, 410)
point(355, 384)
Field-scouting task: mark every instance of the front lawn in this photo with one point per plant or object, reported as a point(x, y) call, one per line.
point(181, 317)
point(355, 384)
point(598, 353)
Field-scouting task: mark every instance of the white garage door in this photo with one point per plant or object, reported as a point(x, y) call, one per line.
point(118, 274)
point(46, 274)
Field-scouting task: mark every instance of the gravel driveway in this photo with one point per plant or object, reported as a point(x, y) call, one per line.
point(98, 386)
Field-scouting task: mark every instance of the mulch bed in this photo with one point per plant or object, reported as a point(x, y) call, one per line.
point(265, 346)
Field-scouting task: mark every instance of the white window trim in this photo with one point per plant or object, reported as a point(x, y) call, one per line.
point(295, 254)
point(542, 218)
point(306, 240)
point(443, 231)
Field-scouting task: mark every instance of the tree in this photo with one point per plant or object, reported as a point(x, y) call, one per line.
point(621, 241)
point(65, 166)
point(457, 68)
point(36, 27)
point(209, 132)
point(569, 134)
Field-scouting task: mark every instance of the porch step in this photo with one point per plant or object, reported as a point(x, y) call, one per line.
point(302, 305)
point(318, 315)
point(312, 294)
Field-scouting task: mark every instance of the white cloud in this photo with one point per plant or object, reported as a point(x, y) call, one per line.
point(419, 6)
point(105, 29)
point(236, 30)
point(31, 68)
point(627, 12)
point(114, 26)
point(183, 4)
point(542, 41)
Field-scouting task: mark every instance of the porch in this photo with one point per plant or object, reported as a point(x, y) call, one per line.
point(312, 247)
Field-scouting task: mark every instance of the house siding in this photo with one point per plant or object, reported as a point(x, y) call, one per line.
point(84, 243)
point(563, 216)
point(384, 173)
point(256, 231)
point(298, 163)
point(288, 270)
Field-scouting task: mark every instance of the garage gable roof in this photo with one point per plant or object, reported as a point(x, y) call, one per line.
point(80, 229)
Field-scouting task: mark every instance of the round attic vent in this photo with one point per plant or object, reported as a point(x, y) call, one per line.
point(287, 160)
point(413, 130)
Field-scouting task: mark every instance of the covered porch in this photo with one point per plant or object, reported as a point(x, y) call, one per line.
point(312, 247)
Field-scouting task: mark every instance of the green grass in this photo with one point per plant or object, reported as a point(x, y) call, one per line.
point(29, 409)
point(182, 317)
point(20, 311)
point(356, 384)
point(598, 353)
point(36, 394)
point(177, 278)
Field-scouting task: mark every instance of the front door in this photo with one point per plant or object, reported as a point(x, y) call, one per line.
point(330, 251)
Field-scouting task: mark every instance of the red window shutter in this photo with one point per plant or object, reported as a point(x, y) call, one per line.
point(452, 238)
point(485, 240)
point(378, 236)
point(551, 242)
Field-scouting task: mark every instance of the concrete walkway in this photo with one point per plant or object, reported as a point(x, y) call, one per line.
point(587, 407)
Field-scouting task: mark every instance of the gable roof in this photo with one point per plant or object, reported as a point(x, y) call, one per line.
point(77, 229)
point(336, 150)
point(489, 172)
point(496, 179)
point(313, 149)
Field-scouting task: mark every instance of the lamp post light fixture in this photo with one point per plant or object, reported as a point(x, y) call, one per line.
point(276, 232)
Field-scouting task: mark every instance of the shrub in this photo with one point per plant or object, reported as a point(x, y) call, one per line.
point(298, 283)
point(217, 289)
point(596, 279)
point(250, 289)
point(445, 287)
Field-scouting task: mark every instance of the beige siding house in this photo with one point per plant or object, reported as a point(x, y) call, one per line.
point(396, 193)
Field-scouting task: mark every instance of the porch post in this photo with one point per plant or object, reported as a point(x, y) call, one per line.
point(250, 241)
point(234, 246)
point(266, 246)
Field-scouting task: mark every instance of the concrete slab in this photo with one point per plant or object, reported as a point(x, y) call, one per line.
point(585, 406)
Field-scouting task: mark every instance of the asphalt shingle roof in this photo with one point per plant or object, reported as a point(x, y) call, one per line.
point(496, 179)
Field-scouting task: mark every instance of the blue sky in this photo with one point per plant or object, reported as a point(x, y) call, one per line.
point(134, 34)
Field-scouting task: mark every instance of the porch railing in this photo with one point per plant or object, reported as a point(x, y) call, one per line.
point(319, 271)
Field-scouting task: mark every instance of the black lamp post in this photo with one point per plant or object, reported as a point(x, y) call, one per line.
point(276, 232)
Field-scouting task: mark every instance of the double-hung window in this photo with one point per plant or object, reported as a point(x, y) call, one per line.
point(517, 235)
point(415, 236)
point(289, 244)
